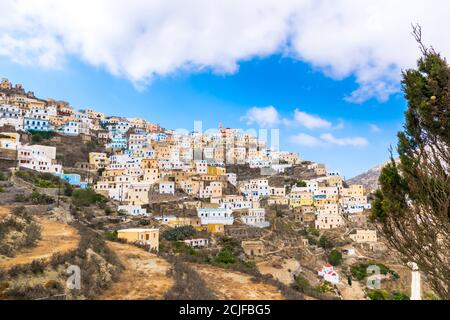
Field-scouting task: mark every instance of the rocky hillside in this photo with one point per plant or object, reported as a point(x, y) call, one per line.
point(369, 179)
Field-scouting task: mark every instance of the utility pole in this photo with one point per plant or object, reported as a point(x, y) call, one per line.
point(59, 190)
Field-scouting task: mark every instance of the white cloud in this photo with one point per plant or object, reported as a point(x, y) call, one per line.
point(354, 141)
point(374, 128)
point(266, 117)
point(305, 140)
point(310, 121)
point(141, 39)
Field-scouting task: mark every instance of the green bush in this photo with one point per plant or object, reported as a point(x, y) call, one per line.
point(111, 236)
point(359, 271)
point(38, 198)
point(39, 179)
point(376, 295)
point(225, 256)
point(144, 223)
point(314, 232)
point(301, 184)
point(177, 234)
point(324, 287)
point(3, 176)
point(335, 258)
point(68, 191)
point(325, 243)
point(2, 189)
point(301, 283)
point(399, 296)
point(20, 198)
point(39, 136)
point(87, 197)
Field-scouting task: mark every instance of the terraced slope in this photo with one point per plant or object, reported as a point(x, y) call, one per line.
point(144, 276)
point(56, 237)
point(231, 285)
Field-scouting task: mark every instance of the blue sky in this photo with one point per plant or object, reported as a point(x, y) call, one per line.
point(177, 100)
point(325, 72)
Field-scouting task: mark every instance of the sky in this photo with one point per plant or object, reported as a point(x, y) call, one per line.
point(325, 73)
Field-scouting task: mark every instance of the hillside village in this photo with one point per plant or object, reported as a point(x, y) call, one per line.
point(238, 219)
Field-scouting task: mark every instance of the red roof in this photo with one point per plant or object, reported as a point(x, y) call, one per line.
point(328, 265)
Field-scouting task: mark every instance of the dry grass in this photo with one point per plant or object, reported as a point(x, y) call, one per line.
point(57, 237)
point(4, 211)
point(231, 285)
point(144, 276)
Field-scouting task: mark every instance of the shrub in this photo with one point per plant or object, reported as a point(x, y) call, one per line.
point(301, 283)
point(39, 136)
point(399, 296)
point(314, 232)
point(21, 198)
point(38, 198)
point(335, 258)
point(108, 211)
point(376, 295)
point(111, 236)
point(3, 176)
point(68, 191)
point(87, 197)
point(2, 189)
point(301, 184)
point(53, 285)
point(325, 243)
point(177, 234)
point(39, 179)
point(359, 271)
point(324, 287)
point(225, 256)
point(37, 266)
point(144, 223)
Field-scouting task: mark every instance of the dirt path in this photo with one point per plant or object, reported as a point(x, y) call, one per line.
point(230, 285)
point(144, 276)
point(56, 237)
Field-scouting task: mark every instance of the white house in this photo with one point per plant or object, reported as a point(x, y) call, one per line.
point(38, 158)
point(201, 167)
point(329, 274)
point(167, 187)
point(197, 243)
point(36, 124)
point(70, 128)
point(215, 216)
point(133, 210)
point(255, 218)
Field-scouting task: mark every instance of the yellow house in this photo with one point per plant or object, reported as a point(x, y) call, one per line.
point(298, 202)
point(216, 171)
point(334, 181)
point(185, 221)
point(98, 160)
point(353, 191)
point(298, 199)
point(141, 236)
point(216, 228)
